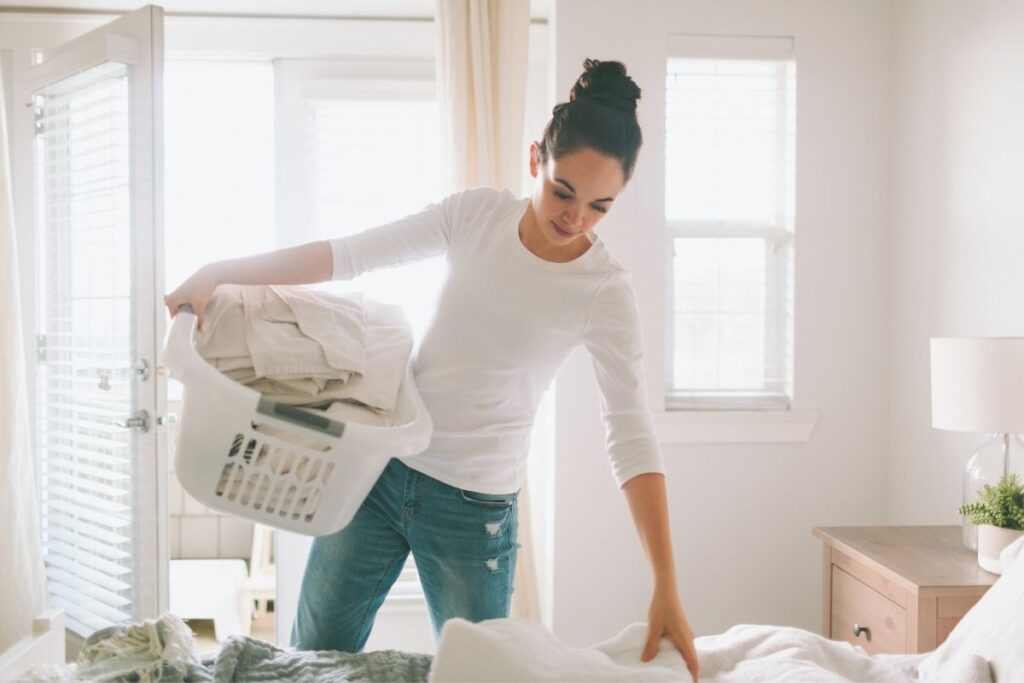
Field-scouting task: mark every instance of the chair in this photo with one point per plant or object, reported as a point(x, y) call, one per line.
point(212, 589)
point(261, 585)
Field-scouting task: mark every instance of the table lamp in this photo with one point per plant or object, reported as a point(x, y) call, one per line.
point(978, 386)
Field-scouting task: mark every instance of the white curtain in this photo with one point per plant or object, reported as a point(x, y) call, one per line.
point(481, 76)
point(22, 576)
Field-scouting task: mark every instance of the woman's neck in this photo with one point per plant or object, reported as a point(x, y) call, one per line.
point(532, 239)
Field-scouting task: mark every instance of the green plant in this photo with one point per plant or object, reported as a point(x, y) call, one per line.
point(1000, 505)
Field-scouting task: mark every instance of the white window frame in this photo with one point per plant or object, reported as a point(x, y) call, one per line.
point(71, 47)
point(778, 273)
point(305, 55)
point(298, 82)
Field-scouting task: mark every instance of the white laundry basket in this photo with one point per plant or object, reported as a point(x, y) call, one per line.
point(274, 463)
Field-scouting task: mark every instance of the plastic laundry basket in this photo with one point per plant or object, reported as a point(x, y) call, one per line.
point(274, 463)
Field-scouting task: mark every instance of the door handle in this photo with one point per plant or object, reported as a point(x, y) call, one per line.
point(140, 368)
point(140, 420)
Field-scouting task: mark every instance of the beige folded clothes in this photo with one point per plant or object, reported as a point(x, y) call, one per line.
point(305, 347)
point(284, 333)
point(296, 333)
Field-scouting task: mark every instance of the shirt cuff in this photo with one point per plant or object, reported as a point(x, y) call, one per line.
point(341, 257)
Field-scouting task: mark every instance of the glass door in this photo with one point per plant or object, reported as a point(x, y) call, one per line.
point(97, 190)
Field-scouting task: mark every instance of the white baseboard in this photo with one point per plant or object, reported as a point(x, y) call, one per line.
point(45, 645)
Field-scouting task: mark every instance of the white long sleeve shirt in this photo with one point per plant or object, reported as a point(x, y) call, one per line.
point(505, 322)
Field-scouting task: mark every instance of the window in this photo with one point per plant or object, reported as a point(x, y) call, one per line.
point(729, 197)
point(359, 147)
point(92, 191)
point(219, 169)
point(291, 153)
point(219, 181)
point(296, 151)
point(81, 143)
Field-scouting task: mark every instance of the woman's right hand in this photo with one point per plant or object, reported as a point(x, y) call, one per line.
point(196, 291)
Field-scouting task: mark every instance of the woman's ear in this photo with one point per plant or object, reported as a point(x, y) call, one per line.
point(534, 158)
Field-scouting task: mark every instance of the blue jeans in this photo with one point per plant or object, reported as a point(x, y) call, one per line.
point(464, 545)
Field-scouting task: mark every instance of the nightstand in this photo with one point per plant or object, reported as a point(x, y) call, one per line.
point(897, 589)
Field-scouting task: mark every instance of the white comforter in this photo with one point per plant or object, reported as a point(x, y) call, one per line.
point(515, 650)
point(984, 646)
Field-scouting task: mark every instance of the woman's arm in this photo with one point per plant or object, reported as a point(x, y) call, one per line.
point(613, 335)
point(648, 503)
point(418, 235)
point(304, 264)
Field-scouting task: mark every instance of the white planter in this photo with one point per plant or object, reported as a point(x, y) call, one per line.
point(991, 541)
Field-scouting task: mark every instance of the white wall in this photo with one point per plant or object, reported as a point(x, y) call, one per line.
point(957, 243)
point(741, 514)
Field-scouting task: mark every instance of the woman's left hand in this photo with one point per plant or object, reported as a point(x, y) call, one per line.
point(666, 618)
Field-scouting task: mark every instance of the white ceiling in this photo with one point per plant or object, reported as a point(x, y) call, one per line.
point(393, 9)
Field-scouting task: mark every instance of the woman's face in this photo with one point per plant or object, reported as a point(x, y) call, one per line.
point(572, 193)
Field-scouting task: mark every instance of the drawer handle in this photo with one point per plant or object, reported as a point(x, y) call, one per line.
point(858, 629)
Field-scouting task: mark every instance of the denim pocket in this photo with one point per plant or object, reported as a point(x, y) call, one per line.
point(489, 500)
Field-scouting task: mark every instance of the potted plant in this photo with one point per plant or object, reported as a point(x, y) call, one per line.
point(999, 514)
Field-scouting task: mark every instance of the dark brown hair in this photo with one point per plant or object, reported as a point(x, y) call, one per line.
point(600, 114)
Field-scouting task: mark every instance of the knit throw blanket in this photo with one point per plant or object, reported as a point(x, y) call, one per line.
point(165, 650)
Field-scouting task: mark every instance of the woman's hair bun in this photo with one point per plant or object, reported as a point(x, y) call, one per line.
point(600, 115)
point(607, 83)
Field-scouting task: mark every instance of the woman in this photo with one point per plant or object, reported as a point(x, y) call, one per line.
point(528, 281)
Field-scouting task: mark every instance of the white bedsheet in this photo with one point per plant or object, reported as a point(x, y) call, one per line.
point(517, 650)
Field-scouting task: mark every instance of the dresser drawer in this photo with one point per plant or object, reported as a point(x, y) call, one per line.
point(856, 603)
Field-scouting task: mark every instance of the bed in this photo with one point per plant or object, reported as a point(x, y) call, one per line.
point(987, 645)
point(44, 644)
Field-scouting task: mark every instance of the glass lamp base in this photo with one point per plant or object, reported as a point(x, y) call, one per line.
point(1001, 455)
point(970, 535)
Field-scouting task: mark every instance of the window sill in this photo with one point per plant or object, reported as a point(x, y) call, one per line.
point(753, 426)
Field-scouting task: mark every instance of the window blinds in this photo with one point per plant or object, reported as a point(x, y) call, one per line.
point(84, 375)
point(372, 149)
point(733, 131)
point(730, 170)
point(372, 159)
point(376, 158)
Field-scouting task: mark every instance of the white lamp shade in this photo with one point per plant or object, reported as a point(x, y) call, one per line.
point(978, 384)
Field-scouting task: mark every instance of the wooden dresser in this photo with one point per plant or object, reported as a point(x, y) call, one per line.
point(897, 589)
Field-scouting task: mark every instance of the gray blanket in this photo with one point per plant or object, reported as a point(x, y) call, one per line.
point(164, 650)
point(247, 659)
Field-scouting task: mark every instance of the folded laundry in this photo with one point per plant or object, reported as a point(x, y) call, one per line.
point(308, 348)
point(388, 348)
point(223, 334)
point(296, 333)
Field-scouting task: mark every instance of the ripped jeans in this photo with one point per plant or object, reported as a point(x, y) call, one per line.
point(463, 543)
